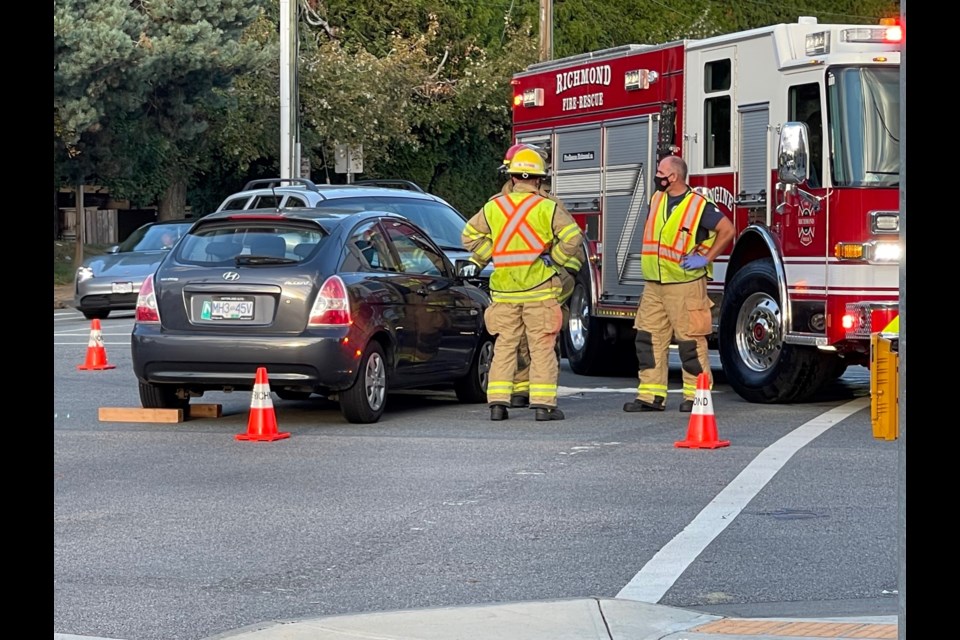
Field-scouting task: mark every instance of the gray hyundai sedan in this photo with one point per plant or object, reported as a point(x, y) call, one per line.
point(342, 303)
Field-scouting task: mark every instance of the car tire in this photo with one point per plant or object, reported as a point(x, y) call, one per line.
point(757, 362)
point(365, 401)
point(155, 396)
point(472, 388)
point(95, 314)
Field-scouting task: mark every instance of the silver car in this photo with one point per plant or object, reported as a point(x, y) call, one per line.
point(111, 282)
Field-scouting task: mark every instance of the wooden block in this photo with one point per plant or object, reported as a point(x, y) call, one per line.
point(205, 410)
point(129, 414)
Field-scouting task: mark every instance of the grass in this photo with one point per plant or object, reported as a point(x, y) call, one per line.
point(64, 254)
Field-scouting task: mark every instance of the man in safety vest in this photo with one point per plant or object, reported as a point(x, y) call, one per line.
point(683, 234)
point(529, 238)
point(521, 381)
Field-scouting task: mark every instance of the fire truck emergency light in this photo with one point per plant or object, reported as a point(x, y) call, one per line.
point(639, 79)
point(533, 98)
point(876, 252)
point(883, 34)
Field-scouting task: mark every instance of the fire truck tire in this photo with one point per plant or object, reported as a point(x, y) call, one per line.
point(582, 336)
point(757, 363)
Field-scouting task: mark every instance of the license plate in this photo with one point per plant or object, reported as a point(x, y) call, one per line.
point(122, 287)
point(232, 308)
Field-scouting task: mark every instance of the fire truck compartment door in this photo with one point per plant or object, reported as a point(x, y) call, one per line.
point(627, 175)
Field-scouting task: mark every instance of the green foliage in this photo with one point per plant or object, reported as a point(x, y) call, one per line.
point(135, 82)
point(147, 95)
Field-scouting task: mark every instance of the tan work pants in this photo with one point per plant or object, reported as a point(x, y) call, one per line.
point(539, 324)
point(521, 381)
point(678, 312)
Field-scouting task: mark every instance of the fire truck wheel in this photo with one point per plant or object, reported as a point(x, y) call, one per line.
point(757, 363)
point(586, 350)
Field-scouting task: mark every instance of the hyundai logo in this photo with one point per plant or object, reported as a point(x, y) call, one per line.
point(231, 276)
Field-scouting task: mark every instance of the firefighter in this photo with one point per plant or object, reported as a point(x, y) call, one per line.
point(521, 381)
point(530, 239)
point(683, 234)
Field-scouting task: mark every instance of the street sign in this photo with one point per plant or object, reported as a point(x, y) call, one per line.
point(348, 158)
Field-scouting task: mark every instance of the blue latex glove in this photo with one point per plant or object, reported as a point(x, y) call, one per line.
point(694, 261)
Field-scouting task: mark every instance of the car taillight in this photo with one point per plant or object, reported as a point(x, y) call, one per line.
point(332, 306)
point(147, 311)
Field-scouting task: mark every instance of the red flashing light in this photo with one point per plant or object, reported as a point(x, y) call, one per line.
point(894, 33)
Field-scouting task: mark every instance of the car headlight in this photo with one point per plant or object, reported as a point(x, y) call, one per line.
point(84, 273)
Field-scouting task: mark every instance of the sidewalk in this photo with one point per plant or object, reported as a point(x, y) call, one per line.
point(573, 619)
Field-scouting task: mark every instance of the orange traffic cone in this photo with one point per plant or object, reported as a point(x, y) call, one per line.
point(96, 354)
point(702, 431)
point(262, 424)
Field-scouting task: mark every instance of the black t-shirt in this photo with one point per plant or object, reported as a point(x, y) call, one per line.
point(708, 221)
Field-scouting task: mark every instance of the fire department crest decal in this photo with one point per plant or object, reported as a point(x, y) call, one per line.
point(805, 224)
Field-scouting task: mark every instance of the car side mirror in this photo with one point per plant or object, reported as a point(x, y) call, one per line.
point(467, 269)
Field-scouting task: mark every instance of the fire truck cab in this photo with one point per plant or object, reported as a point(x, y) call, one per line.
point(793, 130)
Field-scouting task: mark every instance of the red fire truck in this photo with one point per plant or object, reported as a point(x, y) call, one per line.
point(794, 131)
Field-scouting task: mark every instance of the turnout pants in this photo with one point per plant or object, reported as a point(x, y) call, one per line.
point(538, 323)
point(672, 312)
point(521, 380)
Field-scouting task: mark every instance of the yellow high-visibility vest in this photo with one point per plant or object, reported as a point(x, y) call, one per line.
point(667, 238)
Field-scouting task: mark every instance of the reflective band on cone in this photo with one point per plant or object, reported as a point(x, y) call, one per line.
point(702, 430)
point(96, 354)
point(262, 424)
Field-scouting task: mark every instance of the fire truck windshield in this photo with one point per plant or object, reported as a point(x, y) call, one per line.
point(864, 126)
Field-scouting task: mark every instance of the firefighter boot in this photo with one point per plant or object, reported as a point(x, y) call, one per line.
point(498, 412)
point(686, 406)
point(548, 414)
point(639, 405)
point(519, 401)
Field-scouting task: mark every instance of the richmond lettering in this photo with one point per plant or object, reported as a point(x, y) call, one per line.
point(600, 74)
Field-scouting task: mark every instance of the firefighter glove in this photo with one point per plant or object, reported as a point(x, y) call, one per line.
point(694, 261)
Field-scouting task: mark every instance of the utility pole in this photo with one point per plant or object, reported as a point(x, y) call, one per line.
point(289, 135)
point(546, 30)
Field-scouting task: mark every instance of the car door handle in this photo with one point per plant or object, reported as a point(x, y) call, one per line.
point(423, 292)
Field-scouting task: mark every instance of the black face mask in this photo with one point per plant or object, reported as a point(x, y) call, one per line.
point(662, 183)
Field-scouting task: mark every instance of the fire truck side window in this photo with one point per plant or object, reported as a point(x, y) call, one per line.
point(804, 106)
point(716, 113)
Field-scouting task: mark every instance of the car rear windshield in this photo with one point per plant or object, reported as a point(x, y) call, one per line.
point(442, 223)
point(250, 243)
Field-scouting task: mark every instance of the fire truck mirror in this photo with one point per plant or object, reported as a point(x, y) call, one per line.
point(793, 166)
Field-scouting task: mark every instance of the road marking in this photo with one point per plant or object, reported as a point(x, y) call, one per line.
point(666, 566)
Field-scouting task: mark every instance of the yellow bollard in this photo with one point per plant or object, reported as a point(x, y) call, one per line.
point(884, 388)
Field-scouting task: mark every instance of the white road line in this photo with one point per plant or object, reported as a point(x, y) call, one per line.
point(668, 564)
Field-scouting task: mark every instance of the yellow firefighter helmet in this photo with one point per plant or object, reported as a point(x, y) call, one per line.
point(527, 162)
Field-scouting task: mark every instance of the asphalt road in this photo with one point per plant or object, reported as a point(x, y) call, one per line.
point(179, 531)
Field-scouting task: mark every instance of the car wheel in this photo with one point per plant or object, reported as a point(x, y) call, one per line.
point(286, 394)
point(472, 388)
point(756, 361)
point(365, 401)
point(95, 314)
point(156, 396)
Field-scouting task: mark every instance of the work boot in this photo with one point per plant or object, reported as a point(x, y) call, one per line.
point(686, 406)
point(519, 401)
point(549, 414)
point(498, 412)
point(639, 405)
